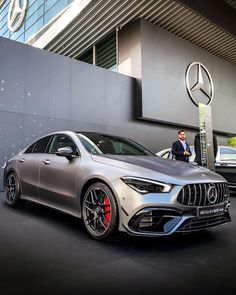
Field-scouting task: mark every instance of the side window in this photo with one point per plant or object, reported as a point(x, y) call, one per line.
point(60, 141)
point(193, 154)
point(166, 155)
point(30, 149)
point(41, 145)
point(38, 146)
point(89, 145)
point(227, 151)
point(227, 154)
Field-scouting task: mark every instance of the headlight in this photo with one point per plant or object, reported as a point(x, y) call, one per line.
point(144, 186)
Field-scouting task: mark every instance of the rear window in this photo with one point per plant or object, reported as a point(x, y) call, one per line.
point(39, 146)
point(227, 154)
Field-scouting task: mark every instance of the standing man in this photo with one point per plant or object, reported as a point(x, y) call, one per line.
point(180, 148)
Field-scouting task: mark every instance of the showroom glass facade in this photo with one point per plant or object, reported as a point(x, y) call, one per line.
point(38, 14)
point(103, 54)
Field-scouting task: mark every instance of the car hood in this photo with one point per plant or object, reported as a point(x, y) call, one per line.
point(173, 169)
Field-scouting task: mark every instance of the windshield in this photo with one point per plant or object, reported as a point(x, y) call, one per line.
point(99, 144)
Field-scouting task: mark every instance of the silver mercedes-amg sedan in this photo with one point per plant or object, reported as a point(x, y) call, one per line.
point(115, 184)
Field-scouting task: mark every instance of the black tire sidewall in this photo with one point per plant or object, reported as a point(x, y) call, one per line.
point(15, 202)
point(112, 228)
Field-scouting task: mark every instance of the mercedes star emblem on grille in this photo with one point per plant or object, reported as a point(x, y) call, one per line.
point(212, 194)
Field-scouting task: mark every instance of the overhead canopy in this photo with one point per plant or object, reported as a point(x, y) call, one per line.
point(210, 25)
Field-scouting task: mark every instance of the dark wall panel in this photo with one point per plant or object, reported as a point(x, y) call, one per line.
point(59, 87)
point(88, 93)
point(165, 58)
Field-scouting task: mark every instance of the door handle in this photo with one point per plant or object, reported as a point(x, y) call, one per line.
point(46, 162)
point(22, 160)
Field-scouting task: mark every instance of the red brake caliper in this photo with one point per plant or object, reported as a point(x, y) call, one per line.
point(107, 210)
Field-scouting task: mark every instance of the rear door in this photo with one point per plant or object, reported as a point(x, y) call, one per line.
point(28, 168)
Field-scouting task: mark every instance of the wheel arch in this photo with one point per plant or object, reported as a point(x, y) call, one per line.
point(6, 173)
point(92, 181)
point(11, 170)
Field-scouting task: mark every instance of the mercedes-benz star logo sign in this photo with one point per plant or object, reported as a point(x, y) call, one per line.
point(203, 82)
point(16, 14)
point(212, 194)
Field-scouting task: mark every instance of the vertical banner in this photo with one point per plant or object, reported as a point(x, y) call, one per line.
point(206, 136)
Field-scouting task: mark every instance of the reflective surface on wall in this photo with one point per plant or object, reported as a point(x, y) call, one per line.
point(38, 14)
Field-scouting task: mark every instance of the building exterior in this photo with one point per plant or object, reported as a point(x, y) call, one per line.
point(115, 66)
point(35, 15)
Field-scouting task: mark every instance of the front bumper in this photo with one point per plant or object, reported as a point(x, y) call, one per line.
point(166, 221)
point(185, 208)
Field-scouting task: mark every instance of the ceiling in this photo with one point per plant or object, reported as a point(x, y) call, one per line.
point(231, 3)
point(210, 24)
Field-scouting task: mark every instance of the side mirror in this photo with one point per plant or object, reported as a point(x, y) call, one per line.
point(65, 152)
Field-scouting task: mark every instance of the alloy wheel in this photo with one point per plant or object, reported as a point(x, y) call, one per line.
point(99, 211)
point(12, 190)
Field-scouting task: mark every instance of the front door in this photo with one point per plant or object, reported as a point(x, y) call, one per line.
point(57, 179)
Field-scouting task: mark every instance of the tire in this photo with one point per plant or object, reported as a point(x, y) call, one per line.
point(12, 190)
point(99, 211)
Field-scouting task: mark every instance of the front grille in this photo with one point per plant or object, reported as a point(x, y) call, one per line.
point(197, 194)
point(194, 224)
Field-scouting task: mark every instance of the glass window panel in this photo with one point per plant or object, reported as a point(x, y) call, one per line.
point(30, 149)
point(34, 17)
point(15, 35)
point(50, 3)
point(4, 8)
point(106, 52)
point(32, 1)
point(87, 56)
point(3, 22)
point(227, 151)
point(21, 38)
point(227, 154)
point(60, 141)
point(105, 144)
point(6, 34)
point(54, 10)
point(34, 28)
point(40, 146)
point(34, 7)
point(3, 17)
point(4, 29)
